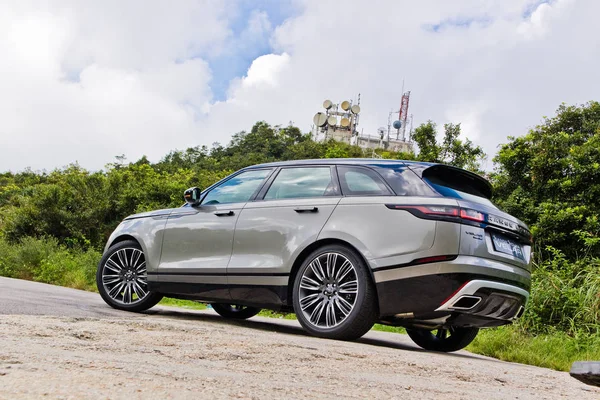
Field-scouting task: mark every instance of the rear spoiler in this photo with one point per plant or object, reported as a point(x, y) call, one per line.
point(456, 178)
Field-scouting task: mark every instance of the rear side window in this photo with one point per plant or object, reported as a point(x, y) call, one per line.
point(357, 181)
point(403, 181)
point(294, 183)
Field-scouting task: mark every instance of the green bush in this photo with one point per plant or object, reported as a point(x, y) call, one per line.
point(565, 295)
point(76, 269)
point(22, 260)
point(44, 260)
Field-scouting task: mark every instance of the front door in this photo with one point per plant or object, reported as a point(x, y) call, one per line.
point(198, 240)
point(272, 231)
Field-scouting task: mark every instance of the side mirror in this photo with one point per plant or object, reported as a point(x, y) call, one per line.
point(192, 196)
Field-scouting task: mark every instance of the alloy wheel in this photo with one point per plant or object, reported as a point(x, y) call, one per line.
point(328, 290)
point(124, 276)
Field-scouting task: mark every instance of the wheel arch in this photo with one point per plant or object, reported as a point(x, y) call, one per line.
point(123, 238)
point(312, 247)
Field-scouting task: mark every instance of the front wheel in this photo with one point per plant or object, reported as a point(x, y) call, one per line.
point(333, 293)
point(122, 279)
point(235, 311)
point(445, 340)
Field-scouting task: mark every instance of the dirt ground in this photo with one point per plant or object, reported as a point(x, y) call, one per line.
point(181, 354)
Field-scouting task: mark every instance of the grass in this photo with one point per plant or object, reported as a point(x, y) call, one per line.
point(190, 305)
point(556, 350)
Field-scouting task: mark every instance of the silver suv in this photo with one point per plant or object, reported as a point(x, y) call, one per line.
point(342, 243)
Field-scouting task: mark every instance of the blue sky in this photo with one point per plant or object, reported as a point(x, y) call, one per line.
point(229, 65)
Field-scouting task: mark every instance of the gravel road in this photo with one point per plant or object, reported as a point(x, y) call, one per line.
point(64, 343)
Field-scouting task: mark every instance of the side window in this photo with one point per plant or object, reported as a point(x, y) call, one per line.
point(293, 183)
point(404, 181)
point(238, 189)
point(357, 181)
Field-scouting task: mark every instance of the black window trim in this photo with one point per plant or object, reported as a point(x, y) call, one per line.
point(334, 179)
point(391, 191)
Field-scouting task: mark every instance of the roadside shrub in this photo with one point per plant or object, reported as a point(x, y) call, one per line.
point(23, 259)
point(565, 295)
point(44, 260)
point(75, 269)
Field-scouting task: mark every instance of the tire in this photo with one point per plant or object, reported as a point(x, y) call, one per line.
point(459, 338)
point(122, 280)
point(233, 311)
point(333, 294)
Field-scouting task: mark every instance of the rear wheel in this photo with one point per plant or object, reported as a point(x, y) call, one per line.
point(333, 294)
point(235, 311)
point(122, 279)
point(444, 339)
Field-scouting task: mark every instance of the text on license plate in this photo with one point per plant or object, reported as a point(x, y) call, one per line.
point(507, 246)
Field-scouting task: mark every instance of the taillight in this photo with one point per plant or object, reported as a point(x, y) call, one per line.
point(450, 211)
point(471, 215)
point(441, 212)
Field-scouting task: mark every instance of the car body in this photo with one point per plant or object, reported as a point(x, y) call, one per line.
point(436, 253)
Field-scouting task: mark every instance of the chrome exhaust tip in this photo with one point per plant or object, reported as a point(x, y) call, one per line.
point(465, 302)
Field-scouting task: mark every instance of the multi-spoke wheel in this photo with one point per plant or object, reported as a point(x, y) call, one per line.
point(235, 311)
point(444, 339)
point(122, 279)
point(334, 295)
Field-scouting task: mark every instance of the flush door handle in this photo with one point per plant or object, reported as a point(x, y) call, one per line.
point(306, 209)
point(228, 213)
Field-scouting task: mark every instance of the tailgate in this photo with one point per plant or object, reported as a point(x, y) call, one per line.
point(500, 237)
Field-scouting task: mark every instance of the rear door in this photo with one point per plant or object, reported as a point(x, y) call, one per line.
point(362, 218)
point(273, 230)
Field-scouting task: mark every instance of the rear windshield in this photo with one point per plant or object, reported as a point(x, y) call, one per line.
point(458, 184)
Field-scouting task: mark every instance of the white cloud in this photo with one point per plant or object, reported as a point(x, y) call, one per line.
point(88, 81)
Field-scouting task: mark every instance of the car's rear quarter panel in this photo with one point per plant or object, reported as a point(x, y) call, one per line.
point(389, 237)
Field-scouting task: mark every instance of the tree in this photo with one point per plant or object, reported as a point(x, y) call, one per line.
point(550, 178)
point(452, 150)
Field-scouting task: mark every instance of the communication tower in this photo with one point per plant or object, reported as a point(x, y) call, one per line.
point(338, 121)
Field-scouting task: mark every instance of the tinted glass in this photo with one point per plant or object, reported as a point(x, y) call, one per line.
point(453, 182)
point(457, 194)
point(403, 181)
point(238, 189)
point(357, 181)
point(293, 183)
point(458, 179)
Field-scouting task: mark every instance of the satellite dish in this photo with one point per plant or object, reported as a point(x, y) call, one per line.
point(397, 124)
point(345, 105)
point(327, 104)
point(345, 122)
point(355, 109)
point(320, 119)
point(332, 120)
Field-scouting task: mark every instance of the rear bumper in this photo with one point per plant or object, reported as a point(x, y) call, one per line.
point(470, 291)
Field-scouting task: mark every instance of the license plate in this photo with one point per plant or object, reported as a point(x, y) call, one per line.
point(507, 246)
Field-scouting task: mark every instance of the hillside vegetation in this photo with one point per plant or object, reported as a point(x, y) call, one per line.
point(53, 225)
